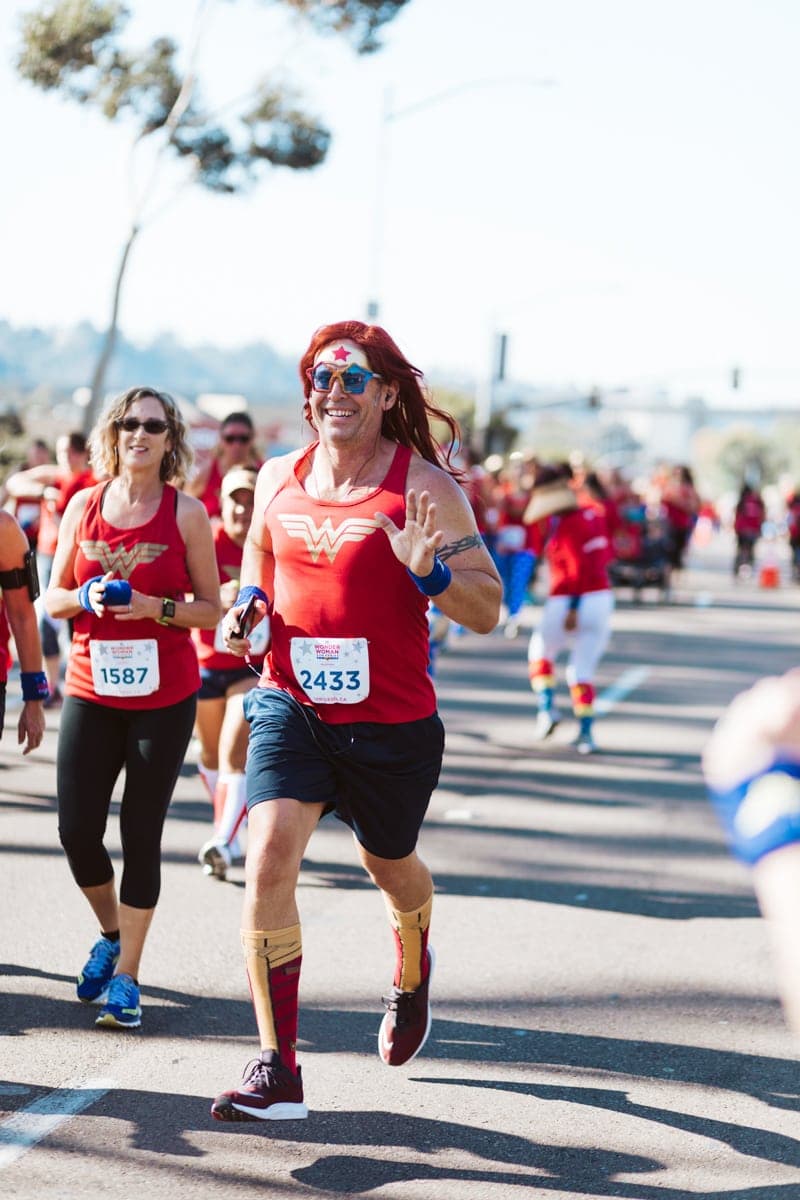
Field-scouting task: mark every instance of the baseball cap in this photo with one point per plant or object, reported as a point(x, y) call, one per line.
point(238, 477)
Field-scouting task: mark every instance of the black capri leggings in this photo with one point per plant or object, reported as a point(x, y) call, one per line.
point(94, 744)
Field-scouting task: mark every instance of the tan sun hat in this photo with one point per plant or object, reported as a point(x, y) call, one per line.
point(551, 498)
point(551, 493)
point(238, 478)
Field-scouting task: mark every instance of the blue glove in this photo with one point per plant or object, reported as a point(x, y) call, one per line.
point(118, 591)
point(83, 592)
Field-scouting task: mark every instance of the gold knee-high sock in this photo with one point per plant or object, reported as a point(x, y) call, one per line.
point(411, 943)
point(273, 958)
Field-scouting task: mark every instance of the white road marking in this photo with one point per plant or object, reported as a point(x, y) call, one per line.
point(38, 1119)
point(628, 682)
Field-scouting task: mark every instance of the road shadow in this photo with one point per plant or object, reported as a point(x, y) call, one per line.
point(580, 892)
point(29, 802)
point(775, 1081)
point(166, 1125)
point(368, 1150)
point(743, 1139)
point(492, 880)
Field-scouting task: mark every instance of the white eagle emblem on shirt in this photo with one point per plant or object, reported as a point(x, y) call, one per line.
point(324, 538)
point(122, 561)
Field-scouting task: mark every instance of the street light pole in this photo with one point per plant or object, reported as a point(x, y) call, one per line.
point(376, 245)
point(485, 394)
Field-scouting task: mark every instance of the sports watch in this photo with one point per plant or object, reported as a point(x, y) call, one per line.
point(167, 611)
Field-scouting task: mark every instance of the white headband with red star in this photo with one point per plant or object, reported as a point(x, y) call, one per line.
point(341, 353)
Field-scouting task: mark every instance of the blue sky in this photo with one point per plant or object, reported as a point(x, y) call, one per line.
point(614, 183)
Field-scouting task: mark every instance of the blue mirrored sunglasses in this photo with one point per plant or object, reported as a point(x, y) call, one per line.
point(352, 380)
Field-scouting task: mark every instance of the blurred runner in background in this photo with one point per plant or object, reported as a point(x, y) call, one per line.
point(235, 448)
point(221, 726)
point(56, 483)
point(574, 542)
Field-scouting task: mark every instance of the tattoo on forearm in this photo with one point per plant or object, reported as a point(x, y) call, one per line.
point(465, 543)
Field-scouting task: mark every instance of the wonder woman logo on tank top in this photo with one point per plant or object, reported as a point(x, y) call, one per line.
point(324, 538)
point(122, 560)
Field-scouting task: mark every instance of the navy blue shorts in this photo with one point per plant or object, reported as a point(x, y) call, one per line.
point(377, 778)
point(214, 684)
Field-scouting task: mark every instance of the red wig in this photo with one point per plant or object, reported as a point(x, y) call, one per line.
point(408, 421)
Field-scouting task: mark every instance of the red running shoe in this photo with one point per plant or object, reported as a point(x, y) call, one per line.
point(405, 1028)
point(269, 1092)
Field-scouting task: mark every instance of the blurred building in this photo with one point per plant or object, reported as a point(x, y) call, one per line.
point(641, 425)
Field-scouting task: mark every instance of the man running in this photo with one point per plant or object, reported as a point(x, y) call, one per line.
point(350, 538)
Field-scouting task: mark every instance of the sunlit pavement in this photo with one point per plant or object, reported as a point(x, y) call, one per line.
point(606, 1021)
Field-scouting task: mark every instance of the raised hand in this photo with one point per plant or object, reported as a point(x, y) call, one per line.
point(414, 545)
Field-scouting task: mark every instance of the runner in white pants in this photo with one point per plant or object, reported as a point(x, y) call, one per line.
point(574, 542)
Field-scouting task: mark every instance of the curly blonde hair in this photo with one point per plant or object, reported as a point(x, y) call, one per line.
point(104, 438)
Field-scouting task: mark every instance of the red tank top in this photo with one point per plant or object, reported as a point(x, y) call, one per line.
point(211, 492)
point(208, 642)
point(577, 550)
point(53, 510)
point(129, 655)
point(336, 577)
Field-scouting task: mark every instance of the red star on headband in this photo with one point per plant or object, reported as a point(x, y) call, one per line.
point(341, 355)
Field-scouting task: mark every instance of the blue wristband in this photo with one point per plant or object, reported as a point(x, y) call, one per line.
point(250, 590)
point(759, 820)
point(83, 592)
point(34, 685)
point(436, 582)
point(118, 591)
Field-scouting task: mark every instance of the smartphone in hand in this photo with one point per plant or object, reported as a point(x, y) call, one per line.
point(247, 618)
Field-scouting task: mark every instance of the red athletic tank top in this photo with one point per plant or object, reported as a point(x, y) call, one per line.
point(208, 642)
point(211, 492)
point(53, 510)
point(349, 626)
point(577, 550)
point(129, 655)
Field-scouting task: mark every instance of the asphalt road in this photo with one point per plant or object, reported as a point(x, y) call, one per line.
point(606, 1022)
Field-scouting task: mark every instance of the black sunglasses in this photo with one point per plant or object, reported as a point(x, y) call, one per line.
point(237, 437)
point(151, 425)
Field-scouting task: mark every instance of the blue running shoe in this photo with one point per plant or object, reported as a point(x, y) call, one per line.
point(94, 979)
point(121, 1009)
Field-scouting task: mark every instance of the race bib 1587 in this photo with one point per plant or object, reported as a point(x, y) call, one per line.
point(125, 668)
